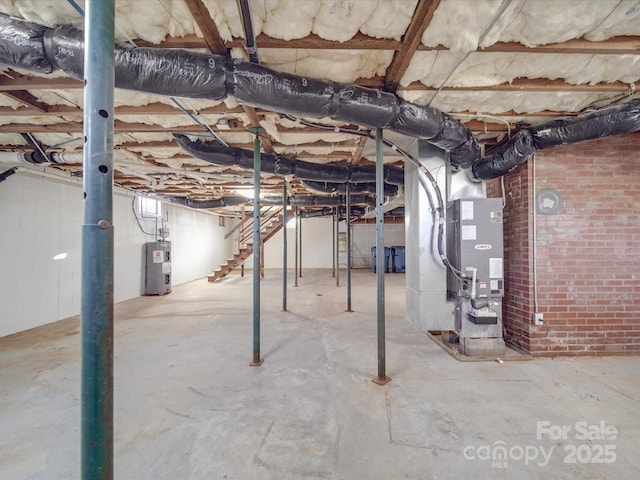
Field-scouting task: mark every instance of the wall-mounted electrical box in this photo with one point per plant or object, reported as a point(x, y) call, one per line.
point(157, 268)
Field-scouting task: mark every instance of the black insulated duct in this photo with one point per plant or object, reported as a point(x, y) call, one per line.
point(330, 188)
point(7, 173)
point(21, 45)
point(198, 75)
point(182, 73)
point(320, 200)
point(294, 201)
point(236, 157)
point(602, 123)
point(341, 211)
point(213, 203)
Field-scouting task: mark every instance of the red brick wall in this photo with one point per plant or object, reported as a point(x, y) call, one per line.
point(588, 254)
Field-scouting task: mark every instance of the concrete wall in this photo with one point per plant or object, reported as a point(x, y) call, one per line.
point(317, 246)
point(317, 234)
point(41, 218)
point(588, 253)
point(364, 237)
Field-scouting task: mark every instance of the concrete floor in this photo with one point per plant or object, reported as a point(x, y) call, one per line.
point(188, 406)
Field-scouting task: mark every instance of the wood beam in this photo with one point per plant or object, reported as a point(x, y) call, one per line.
point(255, 122)
point(355, 160)
point(535, 85)
point(28, 99)
point(12, 81)
point(124, 110)
point(421, 19)
point(207, 26)
point(623, 45)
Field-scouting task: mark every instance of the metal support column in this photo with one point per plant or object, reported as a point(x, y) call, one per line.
point(97, 245)
point(295, 275)
point(382, 378)
point(300, 244)
point(284, 246)
point(256, 361)
point(333, 245)
point(337, 246)
point(348, 248)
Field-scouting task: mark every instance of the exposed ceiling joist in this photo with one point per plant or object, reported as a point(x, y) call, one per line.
point(536, 85)
point(150, 109)
point(355, 160)
point(207, 26)
point(11, 81)
point(623, 45)
point(28, 99)
point(421, 19)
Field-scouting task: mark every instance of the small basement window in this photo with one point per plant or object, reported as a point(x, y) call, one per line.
point(150, 207)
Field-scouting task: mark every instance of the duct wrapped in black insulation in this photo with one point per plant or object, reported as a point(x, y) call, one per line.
point(153, 70)
point(197, 75)
point(438, 129)
point(325, 212)
point(21, 45)
point(262, 87)
point(331, 187)
point(364, 106)
point(213, 203)
point(225, 156)
point(514, 153)
point(602, 123)
point(319, 200)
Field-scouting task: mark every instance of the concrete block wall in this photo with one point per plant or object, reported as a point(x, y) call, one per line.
point(41, 218)
point(588, 254)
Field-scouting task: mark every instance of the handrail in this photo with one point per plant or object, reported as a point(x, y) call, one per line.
point(266, 217)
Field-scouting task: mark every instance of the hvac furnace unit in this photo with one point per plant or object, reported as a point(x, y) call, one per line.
point(475, 249)
point(157, 268)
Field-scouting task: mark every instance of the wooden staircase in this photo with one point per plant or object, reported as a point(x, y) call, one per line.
point(271, 221)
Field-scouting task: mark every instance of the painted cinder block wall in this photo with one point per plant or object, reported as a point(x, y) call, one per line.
point(587, 255)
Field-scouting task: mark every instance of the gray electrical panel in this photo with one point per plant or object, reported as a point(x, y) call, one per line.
point(475, 249)
point(157, 268)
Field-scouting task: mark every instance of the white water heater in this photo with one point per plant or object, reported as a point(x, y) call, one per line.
point(157, 268)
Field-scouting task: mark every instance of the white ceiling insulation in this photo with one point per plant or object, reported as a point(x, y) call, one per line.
point(492, 64)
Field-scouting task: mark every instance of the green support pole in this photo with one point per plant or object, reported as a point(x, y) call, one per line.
point(348, 248)
point(300, 244)
point(284, 246)
point(97, 245)
point(256, 361)
point(337, 244)
point(382, 378)
point(295, 275)
point(333, 245)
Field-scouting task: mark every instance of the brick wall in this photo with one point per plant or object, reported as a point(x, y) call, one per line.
point(588, 254)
